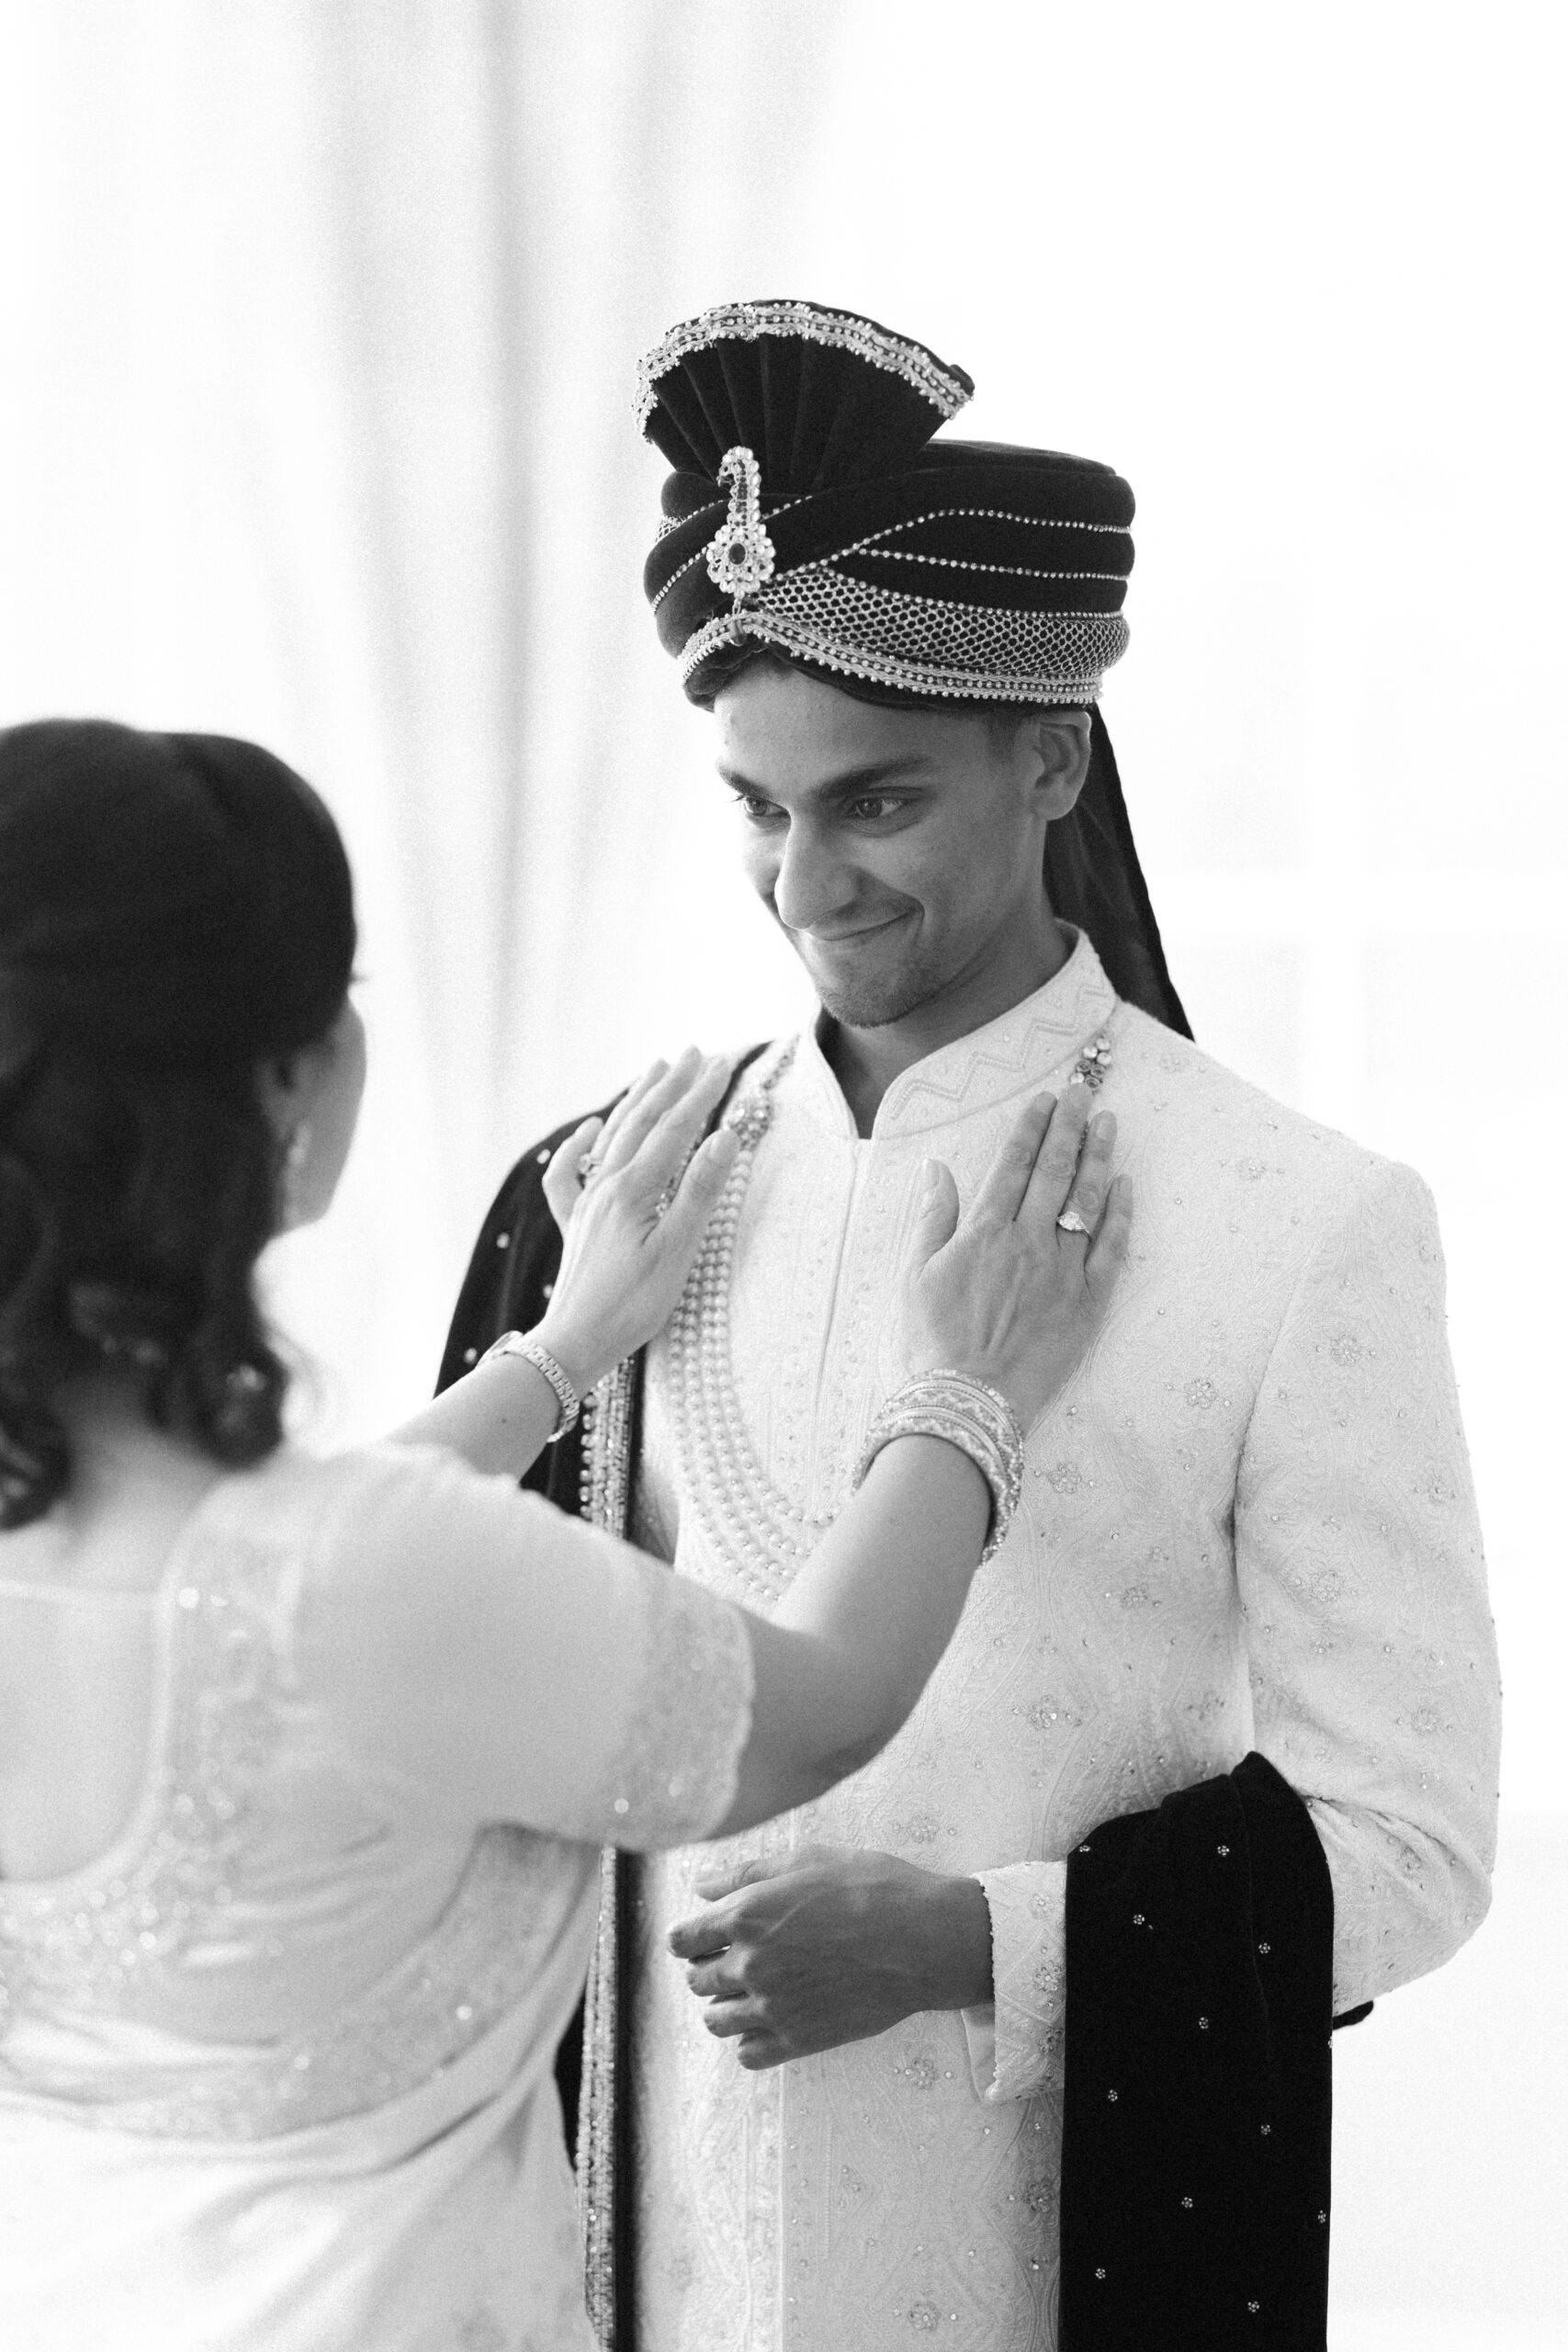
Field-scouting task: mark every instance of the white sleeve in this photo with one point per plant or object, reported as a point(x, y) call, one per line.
point(1372, 1658)
point(504, 1662)
point(1015, 2039)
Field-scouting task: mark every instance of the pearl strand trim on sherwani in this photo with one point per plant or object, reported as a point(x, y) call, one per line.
point(745, 1515)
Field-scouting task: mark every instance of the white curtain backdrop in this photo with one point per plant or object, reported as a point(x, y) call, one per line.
point(320, 320)
point(316, 325)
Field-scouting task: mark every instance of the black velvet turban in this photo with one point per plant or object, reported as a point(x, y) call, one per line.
point(811, 513)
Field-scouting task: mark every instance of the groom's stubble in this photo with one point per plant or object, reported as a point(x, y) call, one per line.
point(900, 849)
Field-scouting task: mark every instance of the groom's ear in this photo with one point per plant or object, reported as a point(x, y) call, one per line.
point(1056, 743)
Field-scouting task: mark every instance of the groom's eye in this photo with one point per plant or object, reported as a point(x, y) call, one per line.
point(755, 809)
point(871, 806)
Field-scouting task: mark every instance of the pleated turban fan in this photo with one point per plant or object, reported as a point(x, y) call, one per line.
point(814, 511)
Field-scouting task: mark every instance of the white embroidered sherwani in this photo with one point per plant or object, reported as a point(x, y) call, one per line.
point(1249, 1522)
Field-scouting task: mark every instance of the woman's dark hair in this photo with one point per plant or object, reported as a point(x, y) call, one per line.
point(174, 909)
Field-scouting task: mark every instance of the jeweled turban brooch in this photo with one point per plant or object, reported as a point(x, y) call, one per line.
point(741, 554)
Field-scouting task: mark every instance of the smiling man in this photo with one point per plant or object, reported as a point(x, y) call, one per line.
point(1019, 2037)
point(902, 851)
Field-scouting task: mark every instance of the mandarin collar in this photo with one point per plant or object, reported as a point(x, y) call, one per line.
point(988, 1065)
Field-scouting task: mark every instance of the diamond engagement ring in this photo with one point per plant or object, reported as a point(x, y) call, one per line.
point(587, 1168)
point(1070, 1221)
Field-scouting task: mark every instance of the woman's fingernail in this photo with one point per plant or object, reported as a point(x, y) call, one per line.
point(1104, 1126)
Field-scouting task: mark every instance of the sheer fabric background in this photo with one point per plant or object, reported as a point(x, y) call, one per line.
point(317, 321)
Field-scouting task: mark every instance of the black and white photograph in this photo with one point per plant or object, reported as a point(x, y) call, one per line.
point(784, 1087)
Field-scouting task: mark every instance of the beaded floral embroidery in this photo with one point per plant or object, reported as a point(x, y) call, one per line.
point(675, 1774)
point(699, 1681)
point(87, 1935)
point(606, 1482)
point(444, 1997)
point(1057, 1707)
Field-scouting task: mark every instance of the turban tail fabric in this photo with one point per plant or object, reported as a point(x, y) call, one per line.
point(812, 514)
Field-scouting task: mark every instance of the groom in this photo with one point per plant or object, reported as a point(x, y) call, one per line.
point(1019, 2037)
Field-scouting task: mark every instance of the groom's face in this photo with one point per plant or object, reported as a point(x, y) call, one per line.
point(899, 849)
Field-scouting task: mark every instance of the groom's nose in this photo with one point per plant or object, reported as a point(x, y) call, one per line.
point(815, 887)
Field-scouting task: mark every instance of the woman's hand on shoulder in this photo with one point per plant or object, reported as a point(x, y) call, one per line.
point(633, 1195)
point(1005, 1292)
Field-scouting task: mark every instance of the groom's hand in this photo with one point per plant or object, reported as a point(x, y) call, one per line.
point(830, 1945)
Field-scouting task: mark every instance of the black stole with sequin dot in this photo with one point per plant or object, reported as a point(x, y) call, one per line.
point(1195, 2155)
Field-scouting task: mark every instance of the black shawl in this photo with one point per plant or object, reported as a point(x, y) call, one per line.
point(1195, 2146)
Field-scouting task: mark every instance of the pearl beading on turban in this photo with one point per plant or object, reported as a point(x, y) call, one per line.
point(836, 330)
point(922, 643)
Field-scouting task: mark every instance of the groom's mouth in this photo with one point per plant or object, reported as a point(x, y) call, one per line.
point(853, 940)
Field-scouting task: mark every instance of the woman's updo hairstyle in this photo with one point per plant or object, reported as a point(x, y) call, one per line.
point(174, 909)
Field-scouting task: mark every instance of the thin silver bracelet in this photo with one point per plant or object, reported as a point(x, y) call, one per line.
point(969, 1414)
point(569, 1404)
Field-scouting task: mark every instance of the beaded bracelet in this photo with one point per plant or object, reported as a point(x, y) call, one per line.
point(567, 1402)
point(969, 1414)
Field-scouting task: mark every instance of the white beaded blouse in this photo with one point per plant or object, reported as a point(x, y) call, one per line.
point(276, 2068)
point(1249, 1522)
